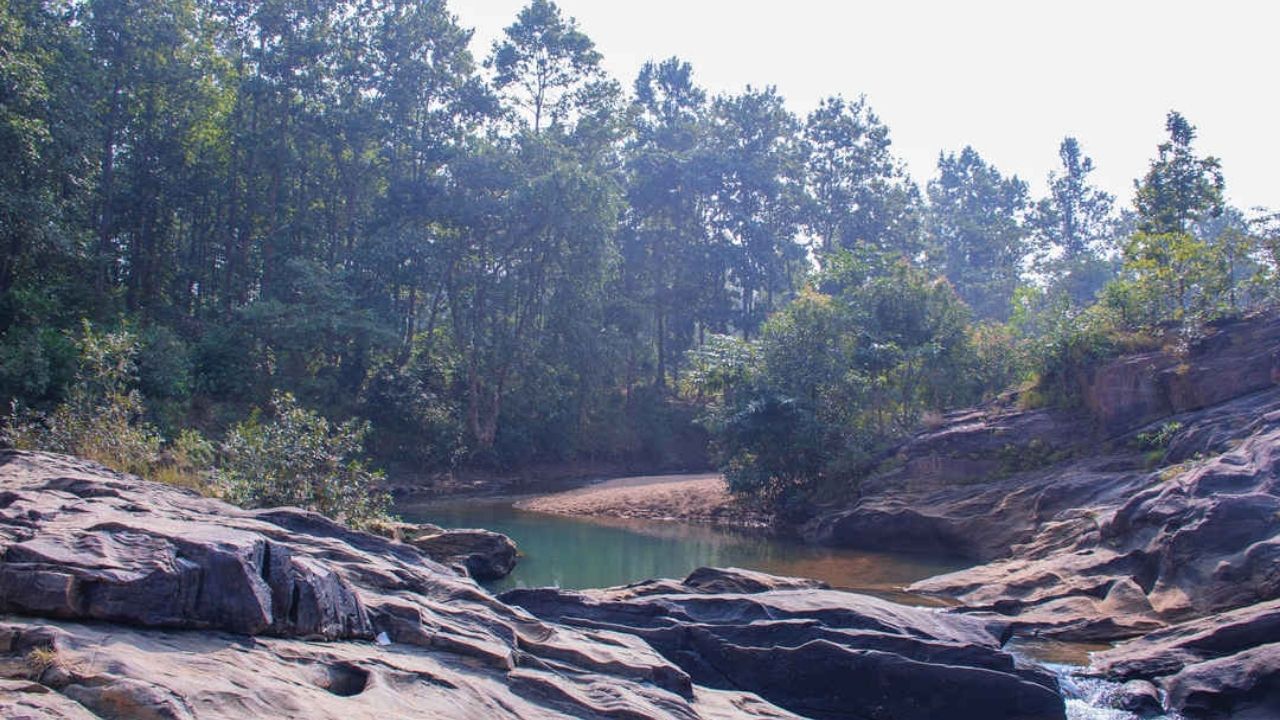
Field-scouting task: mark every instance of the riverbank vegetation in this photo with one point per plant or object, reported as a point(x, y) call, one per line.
point(274, 216)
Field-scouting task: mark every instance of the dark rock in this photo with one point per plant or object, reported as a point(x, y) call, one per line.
point(486, 555)
point(1235, 359)
point(1138, 697)
point(820, 653)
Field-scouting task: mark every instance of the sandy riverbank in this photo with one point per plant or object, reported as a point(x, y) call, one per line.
point(688, 498)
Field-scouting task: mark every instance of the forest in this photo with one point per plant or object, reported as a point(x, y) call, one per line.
point(228, 226)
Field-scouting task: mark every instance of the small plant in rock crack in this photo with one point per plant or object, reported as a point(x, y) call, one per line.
point(41, 660)
point(1159, 439)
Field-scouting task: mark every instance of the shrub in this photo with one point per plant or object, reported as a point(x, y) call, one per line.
point(101, 418)
point(297, 457)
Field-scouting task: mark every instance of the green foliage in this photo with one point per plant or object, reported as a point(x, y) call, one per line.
point(833, 380)
point(1180, 188)
point(1171, 276)
point(101, 418)
point(1159, 439)
point(978, 234)
point(525, 266)
point(298, 458)
point(860, 193)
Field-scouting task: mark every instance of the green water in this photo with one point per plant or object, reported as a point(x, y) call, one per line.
point(576, 553)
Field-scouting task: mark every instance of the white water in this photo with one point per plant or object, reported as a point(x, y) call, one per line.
point(1091, 698)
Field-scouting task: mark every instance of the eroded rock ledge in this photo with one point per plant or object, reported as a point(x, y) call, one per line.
point(122, 598)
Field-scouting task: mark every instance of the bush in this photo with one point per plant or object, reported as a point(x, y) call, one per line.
point(297, 457)
point(101, 419)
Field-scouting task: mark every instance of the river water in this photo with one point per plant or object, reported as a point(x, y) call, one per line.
point(575, 553)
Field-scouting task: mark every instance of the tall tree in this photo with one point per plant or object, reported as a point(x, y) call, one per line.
point(860, 193)
point(1076, 216)
point(666, 244)
point(545, 66)
point(978, 235)
point(1073, 230)
point(758, 162)
point(1179, 188)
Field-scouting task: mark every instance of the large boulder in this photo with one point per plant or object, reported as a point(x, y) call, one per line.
point(1222, 665)
point(485, 554)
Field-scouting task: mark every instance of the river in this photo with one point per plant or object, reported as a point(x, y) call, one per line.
point(575, 553)
point(579, 552)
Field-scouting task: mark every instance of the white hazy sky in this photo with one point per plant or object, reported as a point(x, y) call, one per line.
point(1009, 77)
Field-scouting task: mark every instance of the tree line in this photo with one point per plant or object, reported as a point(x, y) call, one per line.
point(512, 258)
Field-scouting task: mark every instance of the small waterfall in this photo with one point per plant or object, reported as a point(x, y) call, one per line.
point(1089, 698)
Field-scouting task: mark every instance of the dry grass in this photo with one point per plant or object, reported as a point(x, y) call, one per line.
point(41, 660)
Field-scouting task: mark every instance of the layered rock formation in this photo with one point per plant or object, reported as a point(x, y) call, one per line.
point(1088, 533)
point(818, 652)
point(126, 599)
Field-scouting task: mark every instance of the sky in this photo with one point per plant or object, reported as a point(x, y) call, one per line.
point(1010, 78)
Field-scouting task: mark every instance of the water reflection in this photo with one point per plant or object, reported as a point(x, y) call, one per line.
point(579, 553)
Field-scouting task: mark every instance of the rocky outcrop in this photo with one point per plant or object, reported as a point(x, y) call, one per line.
point(1186, 563)
point(1231, 359)
point(985, 480)
point(122, 598)
point(1088, 532)
point(482, 554)
point(1224, 665)
point(817, 652)
point(131, 599)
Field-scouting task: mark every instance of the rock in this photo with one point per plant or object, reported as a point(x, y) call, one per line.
point(1138, 697)
point(1244, 685)
point(134, 599)
point(486, 555)
point(1225, 665)
point(124, 598)
point(820, 653)
point(1234, 359)
point(737, 580)
point(26, 700)
point(1086, 533)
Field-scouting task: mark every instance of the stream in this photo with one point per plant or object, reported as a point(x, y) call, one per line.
point(575, 553)
point(589, 552)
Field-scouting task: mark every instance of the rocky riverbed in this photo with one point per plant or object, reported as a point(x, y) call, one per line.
point(122, 598)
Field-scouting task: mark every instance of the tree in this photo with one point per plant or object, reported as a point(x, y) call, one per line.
point(666, 243)
point(297, 458)
point(1072, 229)
point(1179, 188)
point(1171, 276)
point(1076, 218)
point(546, 67)
point(757, 161)
point(977, 232)
point(835, 377)
point(859, 192)
point(531, 246)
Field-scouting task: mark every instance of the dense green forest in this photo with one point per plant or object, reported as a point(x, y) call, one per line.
point(214, 212)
